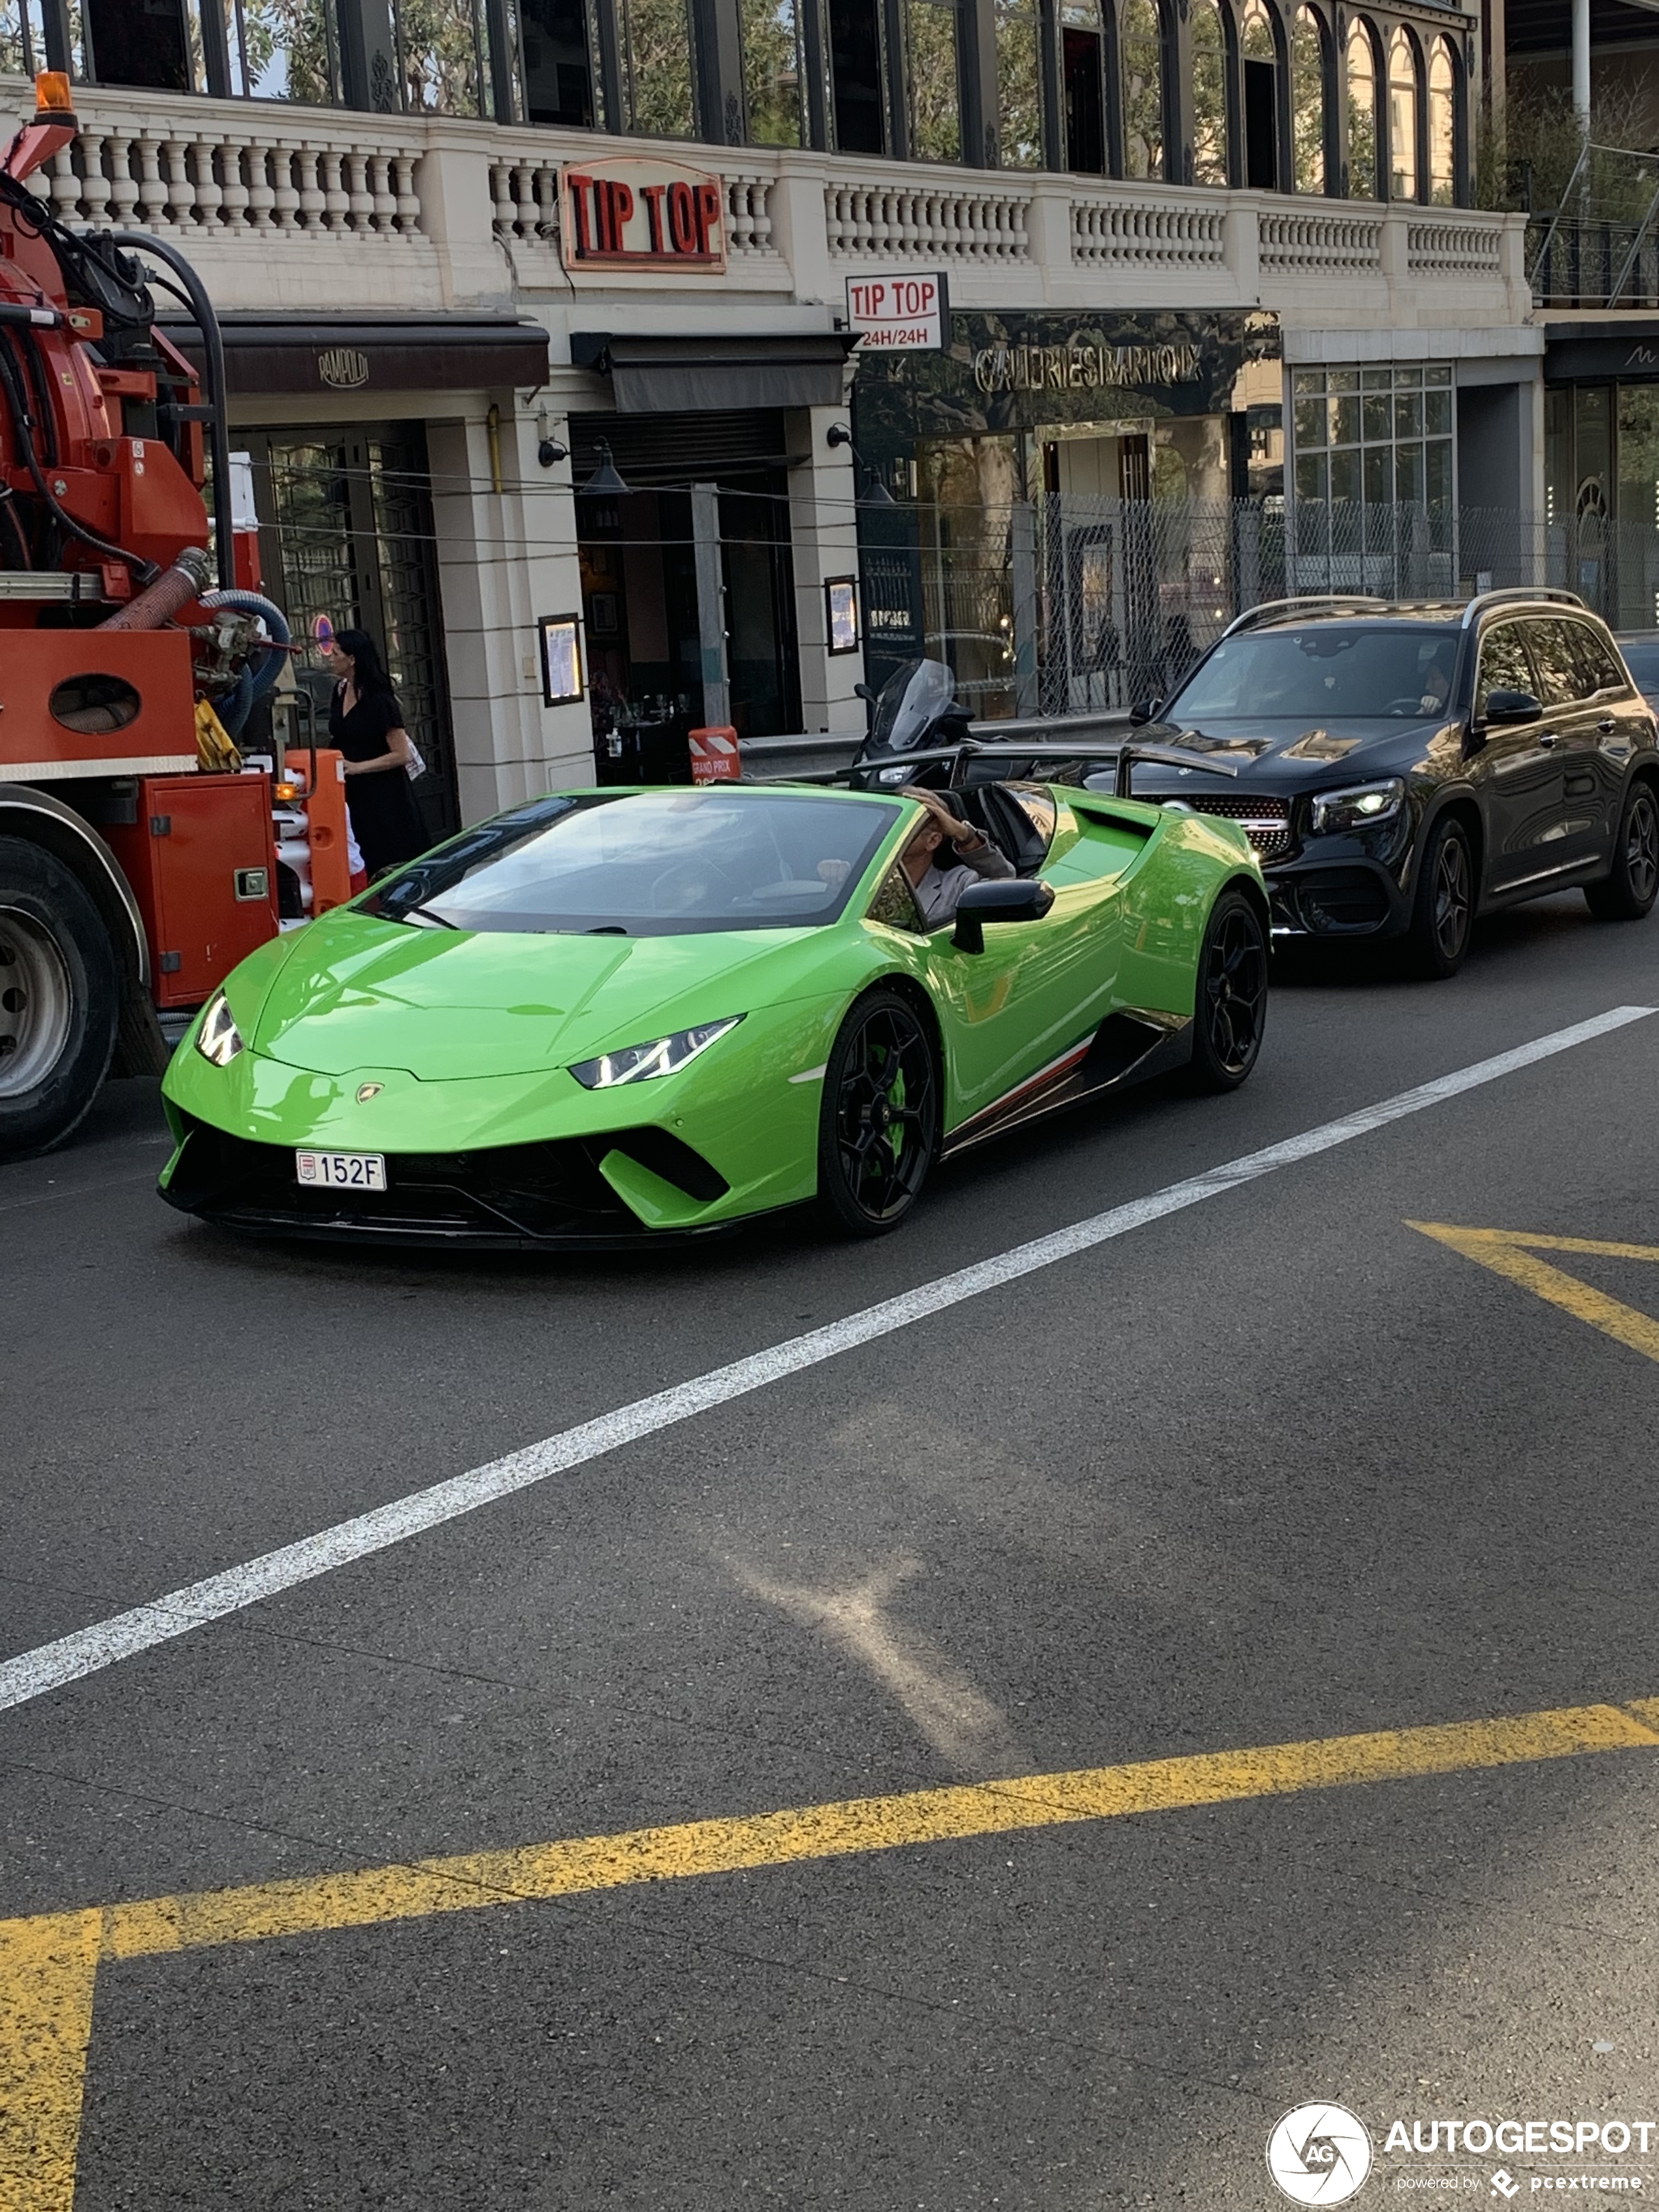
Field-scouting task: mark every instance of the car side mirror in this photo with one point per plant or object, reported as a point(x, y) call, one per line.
point(1506, 708)
point(1018, 900)
point(1143, 710)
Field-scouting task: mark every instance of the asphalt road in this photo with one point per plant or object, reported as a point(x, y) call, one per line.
point(1277, 1468)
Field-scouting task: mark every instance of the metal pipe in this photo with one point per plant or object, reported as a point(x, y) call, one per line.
point(1581, 64)
point(213, 348)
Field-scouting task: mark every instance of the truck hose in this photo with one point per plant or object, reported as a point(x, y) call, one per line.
point(158, 602)
point(253, 684)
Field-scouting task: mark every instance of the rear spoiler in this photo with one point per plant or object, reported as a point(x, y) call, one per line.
point(1124, 757)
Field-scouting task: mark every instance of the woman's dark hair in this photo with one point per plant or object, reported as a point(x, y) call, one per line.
point(368, 675)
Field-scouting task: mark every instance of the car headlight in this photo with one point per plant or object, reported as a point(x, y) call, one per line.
point(219, 1039)
point(663, 1055)
point(1361, 806)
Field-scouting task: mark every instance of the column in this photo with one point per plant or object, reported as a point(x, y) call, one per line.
point(824, 543)
point(505, 561)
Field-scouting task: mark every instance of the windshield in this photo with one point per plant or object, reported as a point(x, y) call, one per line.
point(647, 864)
point(1324, 671)
point(911, 702)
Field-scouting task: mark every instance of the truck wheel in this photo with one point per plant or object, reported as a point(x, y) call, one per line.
point(60, 998)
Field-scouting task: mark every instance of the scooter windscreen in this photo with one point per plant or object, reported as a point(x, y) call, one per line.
point(913, 702)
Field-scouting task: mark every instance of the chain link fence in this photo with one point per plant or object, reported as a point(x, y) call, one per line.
point(1069, 604)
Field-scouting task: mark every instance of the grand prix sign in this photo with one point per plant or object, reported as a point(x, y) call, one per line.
point(645, 214)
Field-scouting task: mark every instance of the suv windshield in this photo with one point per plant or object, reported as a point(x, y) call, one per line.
point(647, 864)
point(1326, 669)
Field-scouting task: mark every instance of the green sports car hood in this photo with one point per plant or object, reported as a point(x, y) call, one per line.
point(357, 991)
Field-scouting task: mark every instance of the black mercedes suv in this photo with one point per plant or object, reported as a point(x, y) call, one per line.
point(1401, 769)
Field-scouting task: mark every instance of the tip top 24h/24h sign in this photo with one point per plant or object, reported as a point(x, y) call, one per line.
point(899, 314)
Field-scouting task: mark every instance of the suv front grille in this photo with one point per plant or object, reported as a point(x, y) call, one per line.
point(1265, 821)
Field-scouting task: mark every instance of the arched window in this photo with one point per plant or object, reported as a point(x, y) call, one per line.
point(1259, 51)
point(1209, 95)
point(1402, 117)
point(1363, 182)
point(1141, 45)
point(1308, 99)
point(1442, 125)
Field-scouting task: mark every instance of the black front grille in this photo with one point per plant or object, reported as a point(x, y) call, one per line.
point(1265, 821)
point(506, 1194)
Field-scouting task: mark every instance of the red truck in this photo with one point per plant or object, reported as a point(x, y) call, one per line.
point(140, 859)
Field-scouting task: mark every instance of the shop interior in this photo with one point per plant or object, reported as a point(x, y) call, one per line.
point(639, 611)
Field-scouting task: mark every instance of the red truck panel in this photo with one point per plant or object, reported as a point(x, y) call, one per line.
point(201, 861)
point(128, 695)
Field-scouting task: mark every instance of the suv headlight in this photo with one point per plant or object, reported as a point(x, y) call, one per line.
point(639, 1063)
point(1361, 806)
point(219, 1039)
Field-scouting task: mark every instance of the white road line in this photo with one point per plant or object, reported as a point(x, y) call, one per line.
point(88, 1650)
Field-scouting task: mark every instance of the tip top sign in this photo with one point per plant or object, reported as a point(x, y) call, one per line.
point(899, 314)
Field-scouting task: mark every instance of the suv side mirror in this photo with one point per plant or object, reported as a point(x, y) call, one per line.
point(1505, 708)
point(1018, 900)
point(1143, 710)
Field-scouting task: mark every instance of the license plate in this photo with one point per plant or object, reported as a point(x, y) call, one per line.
point(341, 1170)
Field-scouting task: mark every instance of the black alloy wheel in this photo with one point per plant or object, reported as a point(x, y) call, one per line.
point(880, 1126)
point(1230, 1012)
point(1629, 891)
point(1443, 915)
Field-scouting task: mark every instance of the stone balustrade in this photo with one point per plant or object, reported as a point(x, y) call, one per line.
point(318, 209)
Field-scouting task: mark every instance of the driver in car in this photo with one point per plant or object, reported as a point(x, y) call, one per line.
point(937, 888)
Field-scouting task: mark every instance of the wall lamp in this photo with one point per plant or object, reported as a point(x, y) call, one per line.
point(878, 495)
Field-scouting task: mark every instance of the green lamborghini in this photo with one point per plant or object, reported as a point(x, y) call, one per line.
point(616, 1016)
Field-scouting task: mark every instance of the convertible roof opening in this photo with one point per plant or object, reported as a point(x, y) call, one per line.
point(647, 864)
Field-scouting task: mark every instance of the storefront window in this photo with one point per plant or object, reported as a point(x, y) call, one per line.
point(656, 43)
point(1209, 94)
point(1018, 75)
point(1442, 126)
point(1082, 55)
point(772, 71)
point(1141, 42)
point(930, 30)
point(1402, 117)
point(1362, 180)
point(1374, 479)
point(22, 38)
point(158, 46)
point(1308, 99)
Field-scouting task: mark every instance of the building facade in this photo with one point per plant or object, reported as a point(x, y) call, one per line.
point(540, 334)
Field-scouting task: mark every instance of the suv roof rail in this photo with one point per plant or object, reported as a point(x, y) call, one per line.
point(1520, 594)
point(1358, 600)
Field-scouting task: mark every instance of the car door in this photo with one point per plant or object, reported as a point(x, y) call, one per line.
point(1618, 722)
point(1514, 769)
point(1565, 682)
point(1038, 989)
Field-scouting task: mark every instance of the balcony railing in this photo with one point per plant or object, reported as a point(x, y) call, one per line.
point(1593, 264)
point(289, 206)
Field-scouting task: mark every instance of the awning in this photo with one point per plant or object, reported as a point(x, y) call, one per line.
point(706, 375)
point(316, 354)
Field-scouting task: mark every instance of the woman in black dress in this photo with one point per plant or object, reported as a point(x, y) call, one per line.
point(367, 724)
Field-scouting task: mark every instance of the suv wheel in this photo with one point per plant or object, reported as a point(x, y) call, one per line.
point(1628, 892)
point(1443, 914)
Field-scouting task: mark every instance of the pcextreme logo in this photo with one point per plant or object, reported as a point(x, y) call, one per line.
point(1319, 2154)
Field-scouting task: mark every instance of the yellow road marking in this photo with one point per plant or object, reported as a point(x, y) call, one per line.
point(1511, 1254)
point(47, 1964)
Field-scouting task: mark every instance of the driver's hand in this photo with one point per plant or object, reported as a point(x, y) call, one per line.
point(833, 872)
point(959, 832)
